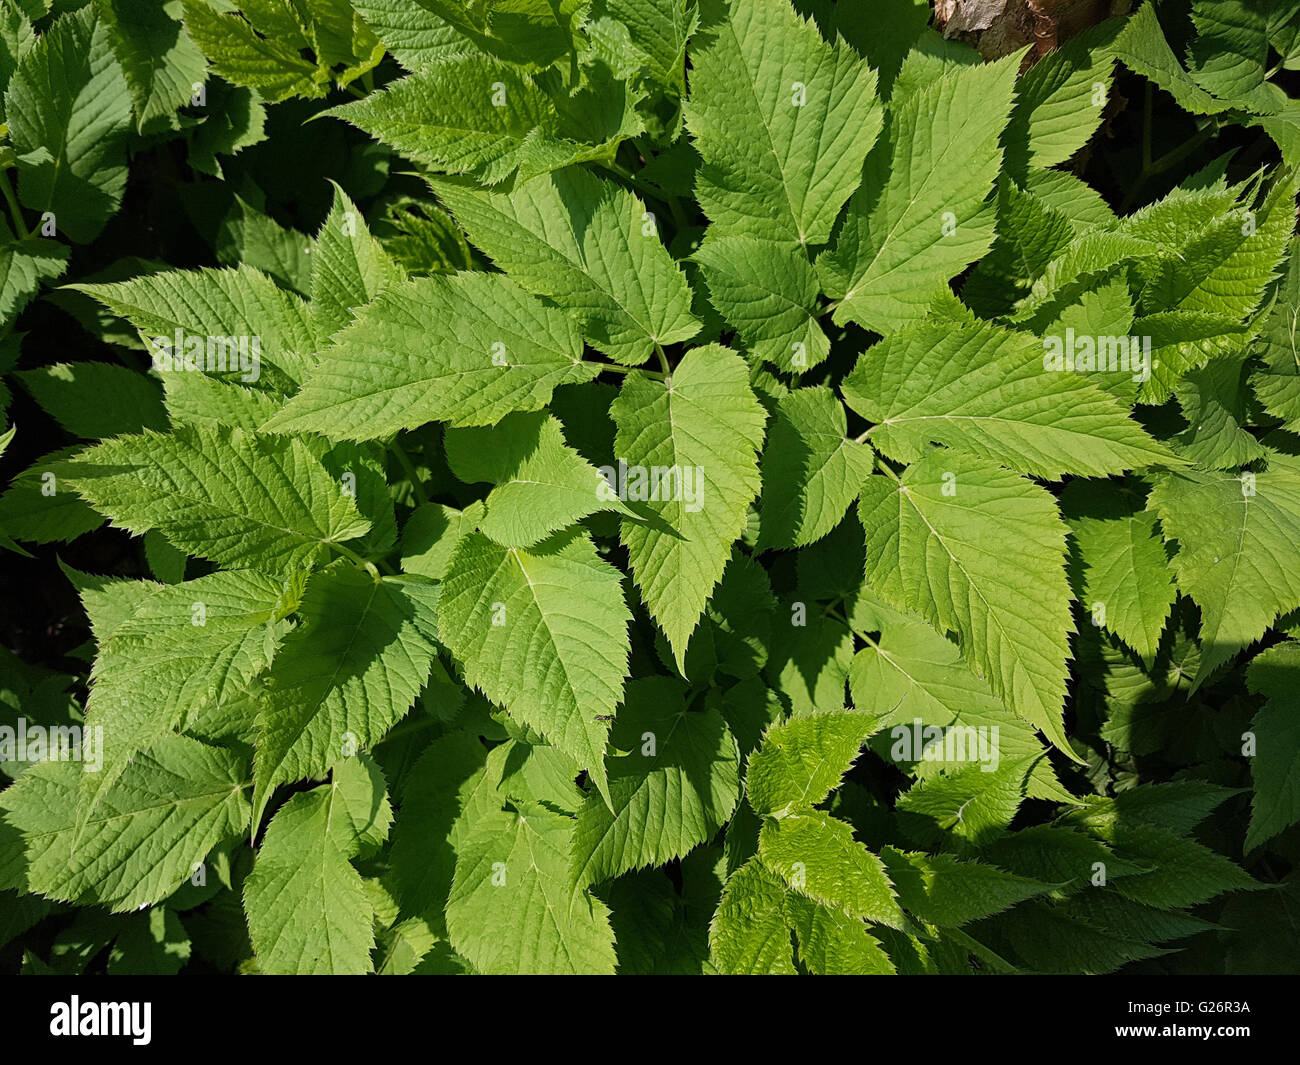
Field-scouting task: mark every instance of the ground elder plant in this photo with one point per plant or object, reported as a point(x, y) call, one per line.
point(648, 486)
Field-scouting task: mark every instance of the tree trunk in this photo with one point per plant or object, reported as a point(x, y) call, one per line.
point(998, 27)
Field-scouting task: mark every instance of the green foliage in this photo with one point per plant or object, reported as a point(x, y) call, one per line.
point(647, 486)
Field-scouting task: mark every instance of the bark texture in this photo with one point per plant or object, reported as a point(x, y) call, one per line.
point(998, 27)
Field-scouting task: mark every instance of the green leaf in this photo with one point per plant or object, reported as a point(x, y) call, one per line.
point(510, 910)
point(1217, 407)
point(945, 891)
point(990, 392)
point(1275, 766)
point(350, 670)
point(1060, 101)
point(920, 217)
point(236, 120)
point(1143, 49)
point(810, 662)
point(589, 246)
point(152, 944)
point(1277, 380)
point(818, 857)
point(430, 536)
point(1219, 270)
point(1186, 873)
point(415, 35)
point(678, 785)
point(769, 293)
point(1053, 939)
point(536, 772)
point(802, 761)
point(782, 120)
point(248, 236)
point(980, 551)
point(542, 484)
point(885, 38)
point(911, 675)
point(544, 633)
point(1181, 341)
point(1235, 535)
point(748, 933)
point(972, 803)
point(96, 399)
point(214, 310)
point(1030, 234)
point(166, 563)
point(499, 350)
point(424, 238)
point(526, 32)
point(263, 57)
point(16, 40)
point(659, 932)
point(24, 264)
point(444, 780)
point(308, 911)
point(811, 473)
point(1125, 570)
point(1229, 56)
point(200, 399)
point(238, 498)
point(42, 507)
point(160, 61)
point(1176, 806)
point(339, 37)
point(1087, 264)
point(171, 656)
point(470, 115)
point(1106, 311)
point(704, 424)
point(752, 928)
point(68, 112)
point(1057, 854)
point(832, 944)
point(349, 268)
point(1248, 231)
point(166, 812)
point(658, 31)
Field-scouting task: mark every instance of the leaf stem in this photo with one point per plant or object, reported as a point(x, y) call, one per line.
point(838, 615)
point(1152, 168)
point(663, 361)
point(614, 367)
point(650, 193)
point(680, 220)
point(14, 209)
point(619, 170)
point(362, 563)
point(883, 467)
point(408, 467)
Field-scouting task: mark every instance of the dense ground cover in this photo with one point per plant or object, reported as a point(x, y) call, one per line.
point(647, 486)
